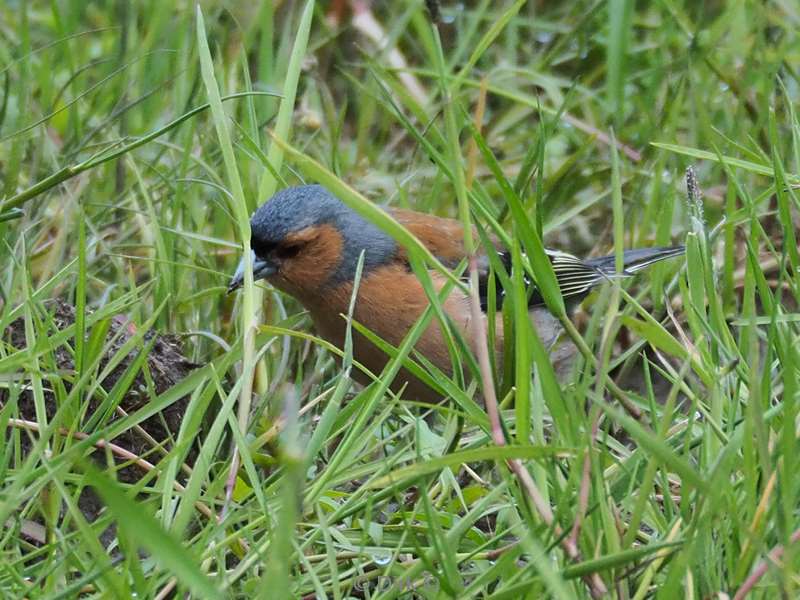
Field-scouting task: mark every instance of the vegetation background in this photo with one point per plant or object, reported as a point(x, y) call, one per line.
point(137, 137)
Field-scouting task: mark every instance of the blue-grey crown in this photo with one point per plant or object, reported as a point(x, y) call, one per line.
point(297, 208)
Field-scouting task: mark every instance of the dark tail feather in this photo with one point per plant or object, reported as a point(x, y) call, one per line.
point(634, 260)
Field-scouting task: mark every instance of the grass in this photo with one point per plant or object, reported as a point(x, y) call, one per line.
point(136, 139)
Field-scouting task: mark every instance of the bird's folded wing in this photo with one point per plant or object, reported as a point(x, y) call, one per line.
point(576, 277)
point(443, 237)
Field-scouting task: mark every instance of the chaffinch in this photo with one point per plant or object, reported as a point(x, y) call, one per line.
point(307, 243)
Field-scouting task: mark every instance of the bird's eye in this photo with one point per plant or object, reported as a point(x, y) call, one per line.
point(262, 248)
point(288, 251)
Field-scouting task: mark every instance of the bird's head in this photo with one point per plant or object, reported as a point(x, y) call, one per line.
point(305, 239)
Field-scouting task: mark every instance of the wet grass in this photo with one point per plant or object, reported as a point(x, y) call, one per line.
point(136, 139)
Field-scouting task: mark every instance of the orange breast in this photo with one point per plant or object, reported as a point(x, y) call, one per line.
point(390, 301)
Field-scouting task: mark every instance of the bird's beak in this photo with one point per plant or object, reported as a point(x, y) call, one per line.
point(261, 270)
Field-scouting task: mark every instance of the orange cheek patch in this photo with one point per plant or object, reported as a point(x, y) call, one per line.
point(317, 260)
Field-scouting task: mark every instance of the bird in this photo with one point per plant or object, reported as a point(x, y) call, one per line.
point(307, 243)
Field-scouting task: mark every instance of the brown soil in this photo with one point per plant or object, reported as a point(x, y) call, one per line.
point(165, 366)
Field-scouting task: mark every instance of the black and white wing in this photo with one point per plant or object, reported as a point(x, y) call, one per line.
point(576, 277)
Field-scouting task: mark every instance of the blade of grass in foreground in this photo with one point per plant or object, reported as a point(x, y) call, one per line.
point(619, 15)
point(248, 310)
point(495, 453)
point(66, 173)
point(145, 531)
point(728, 160)
point(266, 186)
point(274, 158)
